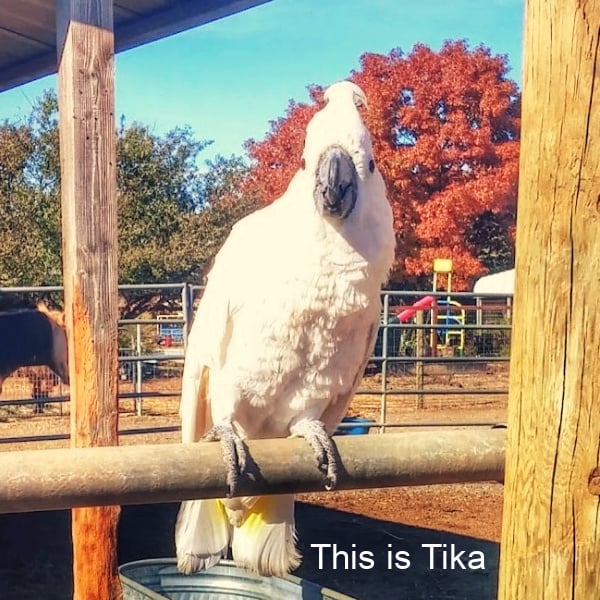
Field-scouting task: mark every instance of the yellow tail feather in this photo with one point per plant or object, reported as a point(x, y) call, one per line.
point(266, 540)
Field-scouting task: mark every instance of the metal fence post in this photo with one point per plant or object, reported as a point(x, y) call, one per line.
point(384, 354)
point(138, 371)
point(419, 352)
point(187, 309)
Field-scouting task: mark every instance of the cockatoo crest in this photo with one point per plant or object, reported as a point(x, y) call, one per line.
point(343, 90)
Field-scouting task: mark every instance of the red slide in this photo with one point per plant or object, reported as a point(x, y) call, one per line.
point(409, 313)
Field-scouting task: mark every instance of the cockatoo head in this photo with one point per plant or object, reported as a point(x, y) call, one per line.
point(338, 152)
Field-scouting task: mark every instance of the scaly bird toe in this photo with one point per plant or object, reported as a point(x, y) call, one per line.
point(315, 433)
point(234, 452)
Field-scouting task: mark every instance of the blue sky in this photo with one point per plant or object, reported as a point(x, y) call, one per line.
point(229, 78)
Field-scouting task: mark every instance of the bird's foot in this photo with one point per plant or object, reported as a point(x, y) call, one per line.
point(234, 452)
point(315, 433)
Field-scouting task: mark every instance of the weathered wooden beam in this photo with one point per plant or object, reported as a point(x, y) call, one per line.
point(57, 479)
point(85, 45)
point(551, 528)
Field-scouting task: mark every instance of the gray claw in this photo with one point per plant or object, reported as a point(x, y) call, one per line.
point(234, 452)
point(327, 457)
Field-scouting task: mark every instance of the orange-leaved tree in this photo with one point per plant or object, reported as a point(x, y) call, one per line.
point(445, 129)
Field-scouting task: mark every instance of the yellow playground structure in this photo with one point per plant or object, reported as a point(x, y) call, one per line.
point(446, 312)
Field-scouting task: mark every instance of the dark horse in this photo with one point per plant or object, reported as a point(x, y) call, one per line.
point(33, 337)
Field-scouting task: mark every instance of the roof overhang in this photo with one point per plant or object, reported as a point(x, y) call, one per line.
point(28, 29)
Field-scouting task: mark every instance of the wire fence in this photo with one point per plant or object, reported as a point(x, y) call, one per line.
point(434, 353)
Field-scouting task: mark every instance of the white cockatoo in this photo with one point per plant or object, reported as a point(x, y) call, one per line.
point(283, 332)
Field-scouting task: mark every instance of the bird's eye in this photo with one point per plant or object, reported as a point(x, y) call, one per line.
point(371, 165)
point(303, 164)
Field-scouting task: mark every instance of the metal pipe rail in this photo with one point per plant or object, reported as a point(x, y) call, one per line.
point(34, 480)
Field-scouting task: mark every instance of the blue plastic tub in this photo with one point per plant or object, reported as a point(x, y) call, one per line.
point(159, 579)
point(361, 426)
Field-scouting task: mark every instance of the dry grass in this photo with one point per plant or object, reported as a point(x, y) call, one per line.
point(162, 411)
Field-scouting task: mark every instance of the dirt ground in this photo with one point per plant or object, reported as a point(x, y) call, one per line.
point(405, 543)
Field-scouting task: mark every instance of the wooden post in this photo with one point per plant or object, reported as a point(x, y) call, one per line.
point(89, 220)
point(551, 531)
point(419, 353)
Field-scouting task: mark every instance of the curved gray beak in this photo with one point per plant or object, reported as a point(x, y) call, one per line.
point(336, 187)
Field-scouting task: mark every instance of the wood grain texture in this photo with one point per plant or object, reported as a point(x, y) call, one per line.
point(551, 529)
point(89, 221)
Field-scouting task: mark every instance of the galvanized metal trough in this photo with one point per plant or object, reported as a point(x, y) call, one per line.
point(159, 579)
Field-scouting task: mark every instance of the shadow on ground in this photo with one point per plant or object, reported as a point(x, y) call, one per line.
point(375, 559)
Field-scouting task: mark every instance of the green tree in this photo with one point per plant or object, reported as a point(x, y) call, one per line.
point(173, 215)
point(158, 187)
point(226, 197)
point(222, 199)
point(30, 242)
